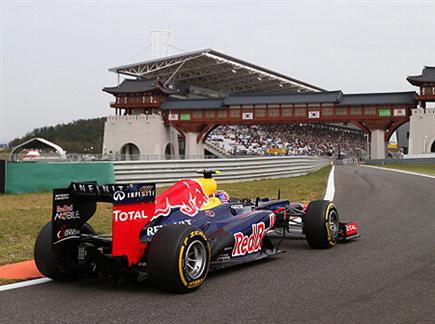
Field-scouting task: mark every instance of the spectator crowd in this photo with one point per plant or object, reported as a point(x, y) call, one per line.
point(292, 139)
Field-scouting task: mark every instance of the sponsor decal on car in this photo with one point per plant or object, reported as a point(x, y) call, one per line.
point(127, 222)
point(152, 230)
point(249, 244)
point(66, 212)
point(115, 193)
point(351, 229)
point(210, 213)
point(61, 196)
point(188, 195)
point(66, 232)
point(123, 216)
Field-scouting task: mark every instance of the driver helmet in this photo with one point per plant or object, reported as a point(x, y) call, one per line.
point(222, 195)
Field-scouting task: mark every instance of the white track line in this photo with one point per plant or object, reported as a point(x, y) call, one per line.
point(24, 284)
point(400, 171)
point(330, 189)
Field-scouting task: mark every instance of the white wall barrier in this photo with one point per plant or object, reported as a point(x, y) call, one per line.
point(241, 169)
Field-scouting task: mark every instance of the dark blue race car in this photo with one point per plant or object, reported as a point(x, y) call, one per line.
point(177, 237)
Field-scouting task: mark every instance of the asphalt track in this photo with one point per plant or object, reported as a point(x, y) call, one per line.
point(387, 276)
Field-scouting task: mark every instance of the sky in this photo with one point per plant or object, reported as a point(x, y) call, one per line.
point(55, 55)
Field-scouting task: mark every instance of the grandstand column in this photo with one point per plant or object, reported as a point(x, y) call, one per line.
point(378, 144)
point(194, 149)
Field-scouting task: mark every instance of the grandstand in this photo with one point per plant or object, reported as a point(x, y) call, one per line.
point(294, 139)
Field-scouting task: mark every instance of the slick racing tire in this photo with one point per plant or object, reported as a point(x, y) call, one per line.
point(48, 262)
point(321, 224)
point(179, 258)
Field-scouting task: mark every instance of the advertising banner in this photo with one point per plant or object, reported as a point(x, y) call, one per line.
point(173, 117)
point(2, 176)
point(185, 116)
point(399, 112)
point(384, 112)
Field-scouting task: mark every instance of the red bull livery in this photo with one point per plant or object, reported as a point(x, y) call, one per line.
point(177, 237)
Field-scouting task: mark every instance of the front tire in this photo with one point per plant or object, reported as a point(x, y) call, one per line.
point(321, 224)
point(179, 258)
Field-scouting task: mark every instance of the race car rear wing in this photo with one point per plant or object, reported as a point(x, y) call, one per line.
point(133, 207)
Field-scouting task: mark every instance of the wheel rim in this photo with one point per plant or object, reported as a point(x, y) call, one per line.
point(333, 224)
point(195, 259)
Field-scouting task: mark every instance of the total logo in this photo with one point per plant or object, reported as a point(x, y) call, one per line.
point(123, 216)
point(252, 243)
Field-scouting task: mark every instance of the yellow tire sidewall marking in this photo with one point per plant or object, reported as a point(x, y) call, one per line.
point(197, 282)
point(180, 262)
point(328, 230)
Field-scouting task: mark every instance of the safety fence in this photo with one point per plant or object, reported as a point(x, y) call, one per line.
point(166, 172)
point(25, 177)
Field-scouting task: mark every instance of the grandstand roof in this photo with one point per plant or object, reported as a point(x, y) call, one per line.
point(210, 69)
point(426, 76)
point(335, 97)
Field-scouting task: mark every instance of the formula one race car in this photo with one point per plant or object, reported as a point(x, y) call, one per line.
point(177, 237)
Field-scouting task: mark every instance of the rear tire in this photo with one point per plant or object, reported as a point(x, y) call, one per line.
point(48, 262)
point(321, 224)
point(179, 258)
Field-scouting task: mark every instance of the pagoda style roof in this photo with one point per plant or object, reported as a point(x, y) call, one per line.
point(294, 98)
point(133, 86)
point(331, 97)
point(427, 76)
point(385, 98)
point(139, 86)
point(188, 104)
point(216, 71)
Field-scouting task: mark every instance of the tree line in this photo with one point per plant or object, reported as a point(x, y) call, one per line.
point(79, 136)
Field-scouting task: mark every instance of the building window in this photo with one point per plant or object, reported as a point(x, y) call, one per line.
point(196, 114)
point(327, 111)
point(340, 111)
point(234, 113)
point(209, 114)
point(370, 111)
point(135, 100)
point(356, 111)
point(300, 112)
point(222, 114)
point(287, 112)
point(260, 113)
point(273, 112)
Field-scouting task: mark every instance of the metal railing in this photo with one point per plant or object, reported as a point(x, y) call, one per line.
point(234, 169)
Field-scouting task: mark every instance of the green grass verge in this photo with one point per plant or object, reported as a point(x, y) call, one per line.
point(22, 216)
point(8, 281)
point(424, 169)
